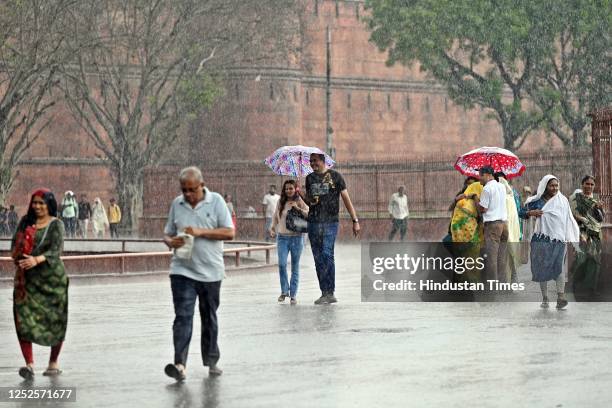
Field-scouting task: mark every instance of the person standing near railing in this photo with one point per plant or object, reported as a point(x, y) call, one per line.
point(114, 218)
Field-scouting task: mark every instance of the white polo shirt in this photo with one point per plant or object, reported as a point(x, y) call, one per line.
point(493, 198)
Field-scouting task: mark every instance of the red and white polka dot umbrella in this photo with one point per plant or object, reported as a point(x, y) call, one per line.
point(500, 159)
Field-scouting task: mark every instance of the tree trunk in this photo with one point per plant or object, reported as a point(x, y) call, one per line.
point(7, 177)
point(129, 188)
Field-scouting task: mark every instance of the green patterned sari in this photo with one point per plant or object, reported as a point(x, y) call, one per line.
point(40, 298)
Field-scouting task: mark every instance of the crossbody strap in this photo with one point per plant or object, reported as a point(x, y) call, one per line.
point(44, 235)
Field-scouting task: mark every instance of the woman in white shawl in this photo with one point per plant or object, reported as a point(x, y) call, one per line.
point(555, 226)
point(99, 218)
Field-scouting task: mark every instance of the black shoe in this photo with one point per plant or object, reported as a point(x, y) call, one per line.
point(27, 373)
point(172, 371)
point(322, 300)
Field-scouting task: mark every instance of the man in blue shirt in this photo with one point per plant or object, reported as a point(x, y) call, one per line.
point(204, 215)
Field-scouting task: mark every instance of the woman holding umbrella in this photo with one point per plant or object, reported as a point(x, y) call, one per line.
point(555, 226)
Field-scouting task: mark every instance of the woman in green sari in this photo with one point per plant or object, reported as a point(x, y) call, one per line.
point(589, 213)
point(40, 296)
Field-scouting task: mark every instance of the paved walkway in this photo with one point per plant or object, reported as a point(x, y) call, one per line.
point(350, 354)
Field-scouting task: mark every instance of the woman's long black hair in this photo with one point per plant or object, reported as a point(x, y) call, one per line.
point(30, 217)
point(283, 197)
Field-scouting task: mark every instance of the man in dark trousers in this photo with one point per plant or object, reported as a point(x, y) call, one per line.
point(84, 215)
point(324, 187)
point(202, 215)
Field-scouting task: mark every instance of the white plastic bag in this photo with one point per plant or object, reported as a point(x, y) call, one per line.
point(184, 252)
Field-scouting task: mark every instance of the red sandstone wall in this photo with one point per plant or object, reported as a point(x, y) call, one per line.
point(392, 113)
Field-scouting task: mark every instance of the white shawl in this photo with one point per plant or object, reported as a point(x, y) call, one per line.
point(557, 222)
point(514, 227)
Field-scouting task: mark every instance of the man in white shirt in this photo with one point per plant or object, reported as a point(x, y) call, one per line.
point(269, 203)
point(492, 206)
point(398, 209)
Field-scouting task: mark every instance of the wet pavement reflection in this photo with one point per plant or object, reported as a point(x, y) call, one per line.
point(350, 354)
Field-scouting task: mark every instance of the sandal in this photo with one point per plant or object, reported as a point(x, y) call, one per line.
point(51, 372)
point(172, 371)
point(27, 373)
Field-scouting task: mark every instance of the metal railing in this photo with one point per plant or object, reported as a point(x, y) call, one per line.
point(251, 246)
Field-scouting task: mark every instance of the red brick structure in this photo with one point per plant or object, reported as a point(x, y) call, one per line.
point(378, 113)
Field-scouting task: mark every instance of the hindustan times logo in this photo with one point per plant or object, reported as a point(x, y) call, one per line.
point(405, 262)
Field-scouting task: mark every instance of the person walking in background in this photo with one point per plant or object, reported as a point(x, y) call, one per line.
point(40, 297)
point(526, 226)
point(12, 220)
point(204, 215)
point(288, 241)
point(514, 228)
point(554, 227)
point(230, 206)
point(492, 206)
point(114, 218)
point(70, 212)
point(84, 215)
point(588, 212)
point(99, 219)
point(269, 203)
point(324, 187)
point(398, 209)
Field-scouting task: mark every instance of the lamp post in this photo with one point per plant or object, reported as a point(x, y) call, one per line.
point(328, 128)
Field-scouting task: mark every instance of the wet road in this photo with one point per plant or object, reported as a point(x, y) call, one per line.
point(350, 354)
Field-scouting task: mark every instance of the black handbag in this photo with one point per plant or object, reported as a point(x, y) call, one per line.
point(296, 221)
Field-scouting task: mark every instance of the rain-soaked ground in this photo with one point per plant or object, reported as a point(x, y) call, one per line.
point(350, 354)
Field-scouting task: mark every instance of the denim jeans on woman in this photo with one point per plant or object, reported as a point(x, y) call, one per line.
point(322, 236)
point(286, 244)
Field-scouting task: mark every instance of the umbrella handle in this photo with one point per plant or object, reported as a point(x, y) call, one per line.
point(300, 168)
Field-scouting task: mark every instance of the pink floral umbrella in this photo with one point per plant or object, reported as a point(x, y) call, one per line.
point(294, 160)
point(500, 159)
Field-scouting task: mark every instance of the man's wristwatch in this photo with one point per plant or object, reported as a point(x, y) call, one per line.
point(355, 220)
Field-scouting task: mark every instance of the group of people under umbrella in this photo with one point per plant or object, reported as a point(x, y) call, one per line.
point(559, 221)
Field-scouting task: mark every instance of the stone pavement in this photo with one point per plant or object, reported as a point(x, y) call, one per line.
point(350, 354)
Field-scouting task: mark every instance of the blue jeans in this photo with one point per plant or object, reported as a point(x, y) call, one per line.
point(284, 245)
point(184, 294)
point(322, 238)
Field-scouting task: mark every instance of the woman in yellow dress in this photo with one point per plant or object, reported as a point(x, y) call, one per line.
point(467, 230)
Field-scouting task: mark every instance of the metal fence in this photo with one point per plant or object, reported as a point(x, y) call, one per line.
point(431, 182)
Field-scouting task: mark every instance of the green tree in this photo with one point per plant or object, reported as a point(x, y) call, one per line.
point(143, 68)
point(31, 50)
point(574, 77)
point(483, 51)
